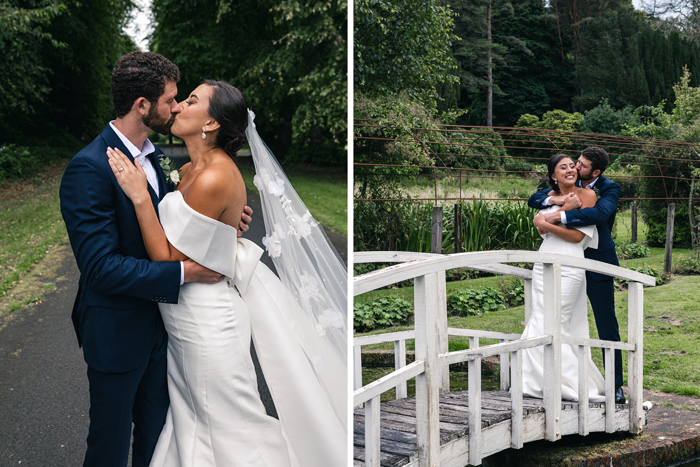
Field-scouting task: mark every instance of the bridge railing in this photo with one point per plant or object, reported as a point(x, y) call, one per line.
point(432, 358)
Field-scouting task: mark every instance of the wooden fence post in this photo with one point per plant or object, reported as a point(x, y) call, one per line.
point(634, 222)
point(458, 228)
point(668, 257)
point(436, 242)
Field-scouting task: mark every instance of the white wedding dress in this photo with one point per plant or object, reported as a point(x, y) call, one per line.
point(216, 417)
point(574, 320)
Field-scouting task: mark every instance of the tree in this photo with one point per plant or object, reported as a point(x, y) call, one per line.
point(537, 80)
point(403, 45)
point(24, 76)
point(289, 62)
point(476, 51)
point(62, 56)
point(310, 56)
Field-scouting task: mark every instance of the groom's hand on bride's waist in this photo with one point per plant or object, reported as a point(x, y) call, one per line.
point(195, 272)
point(245, 220)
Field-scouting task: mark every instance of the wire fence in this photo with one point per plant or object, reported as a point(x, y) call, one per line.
point(448, 146)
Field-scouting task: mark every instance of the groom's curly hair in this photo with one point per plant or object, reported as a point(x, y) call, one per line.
point(140, 74)
point(598, 158)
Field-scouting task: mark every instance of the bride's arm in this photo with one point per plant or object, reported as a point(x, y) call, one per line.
point(570, 235)
point(588, 199)
point(132, 179)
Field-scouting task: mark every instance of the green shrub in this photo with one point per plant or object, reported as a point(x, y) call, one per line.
point(363, 268)
point(632, 251)
point(661, 277)
point(655, 216)
point(687, 266)
point(513, 290)
point(385, 312)
point(17, 162)
point(461, 274)
point(475, 301)
point(604, 119)
point(22, 162)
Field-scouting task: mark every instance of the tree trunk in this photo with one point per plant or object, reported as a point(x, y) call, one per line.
point(489, 98)
point(556, 17)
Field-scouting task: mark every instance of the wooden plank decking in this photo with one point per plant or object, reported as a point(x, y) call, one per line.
point(398, 426)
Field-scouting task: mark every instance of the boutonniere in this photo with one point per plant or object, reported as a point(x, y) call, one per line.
point(596, 190)
point(172, 175)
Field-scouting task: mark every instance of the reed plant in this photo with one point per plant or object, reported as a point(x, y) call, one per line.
point(407, 226)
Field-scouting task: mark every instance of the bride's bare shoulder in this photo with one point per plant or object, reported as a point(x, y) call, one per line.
point(588, 197)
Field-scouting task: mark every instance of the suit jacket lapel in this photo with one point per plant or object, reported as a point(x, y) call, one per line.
point(162, 188)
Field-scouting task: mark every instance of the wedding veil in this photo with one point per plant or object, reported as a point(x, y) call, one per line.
point(309, 268)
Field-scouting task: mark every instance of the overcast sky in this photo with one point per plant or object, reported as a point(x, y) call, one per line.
point(139, 27)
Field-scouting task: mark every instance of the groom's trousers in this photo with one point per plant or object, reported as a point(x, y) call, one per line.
point(602, 297)
point(117, 400)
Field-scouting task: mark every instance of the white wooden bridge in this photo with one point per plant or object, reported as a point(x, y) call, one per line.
point(439, 429)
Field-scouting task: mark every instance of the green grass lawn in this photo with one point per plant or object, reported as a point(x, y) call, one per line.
point(30, 223)
point(323, 191)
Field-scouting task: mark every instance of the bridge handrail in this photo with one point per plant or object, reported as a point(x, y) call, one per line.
point(400, 272)
point(383, 384)
point(405, 256)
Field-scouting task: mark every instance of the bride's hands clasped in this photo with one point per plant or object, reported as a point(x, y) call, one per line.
point(130, 176)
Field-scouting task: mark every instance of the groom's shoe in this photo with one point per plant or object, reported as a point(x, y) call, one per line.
point(619, 395)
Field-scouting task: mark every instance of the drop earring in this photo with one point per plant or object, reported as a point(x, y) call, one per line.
point(204, 134)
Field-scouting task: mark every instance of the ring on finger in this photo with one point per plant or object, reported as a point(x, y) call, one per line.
point(121, 168)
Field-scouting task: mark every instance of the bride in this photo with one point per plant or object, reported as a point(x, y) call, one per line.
point(298, 325)
point(562, 175)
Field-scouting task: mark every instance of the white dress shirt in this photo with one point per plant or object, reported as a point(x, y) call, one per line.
point(140, 156)
point(151, 175)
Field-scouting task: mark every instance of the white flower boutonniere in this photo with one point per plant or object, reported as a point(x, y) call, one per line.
point(172, 175)
point(596, 190)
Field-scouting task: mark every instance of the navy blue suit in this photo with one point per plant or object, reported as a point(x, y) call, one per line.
point(116, 314)
point(599, 287)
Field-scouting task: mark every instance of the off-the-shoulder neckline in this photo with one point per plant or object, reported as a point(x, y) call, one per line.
point(199, 214)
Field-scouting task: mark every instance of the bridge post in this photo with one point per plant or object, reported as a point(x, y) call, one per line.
point(427, 383)
point(635, 368)
point(474, 376)
point(583, 356)
point(372, 428)
point(516, 396)
point(357, 366)
point(443, 337)
point(400, 362)
point(552, 353)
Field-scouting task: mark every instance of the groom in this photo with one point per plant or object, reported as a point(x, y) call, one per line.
point(600, 288)
point(115, 315)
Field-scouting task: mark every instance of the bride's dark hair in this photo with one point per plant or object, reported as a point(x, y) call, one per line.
point(551, 167)
point(228, 107)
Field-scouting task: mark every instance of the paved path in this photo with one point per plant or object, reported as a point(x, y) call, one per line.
point(43, 383)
